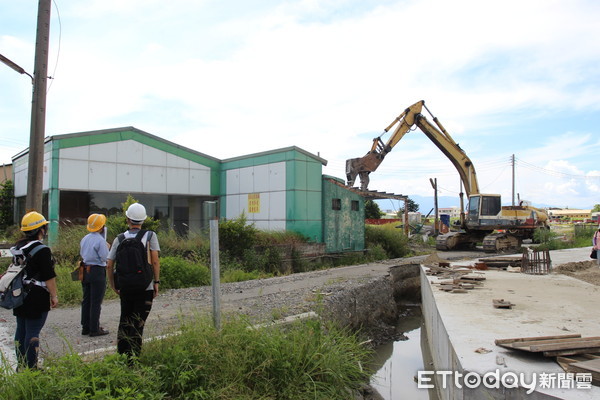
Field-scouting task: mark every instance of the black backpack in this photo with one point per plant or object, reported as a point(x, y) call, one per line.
point(133, 272)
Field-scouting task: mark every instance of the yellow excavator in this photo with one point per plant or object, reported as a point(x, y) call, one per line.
point(498, 227)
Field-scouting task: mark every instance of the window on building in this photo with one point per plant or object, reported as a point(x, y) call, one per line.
point(336, 204)
point(354, 205)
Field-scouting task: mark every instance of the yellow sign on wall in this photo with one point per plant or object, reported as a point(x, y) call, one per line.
point(253, 203)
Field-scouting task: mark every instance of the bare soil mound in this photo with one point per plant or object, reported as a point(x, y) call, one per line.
point(587, 271)
point(433, 259)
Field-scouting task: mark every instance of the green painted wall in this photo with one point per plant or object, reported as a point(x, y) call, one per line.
point(343, 229)
point(303, 197)
point(302, 187)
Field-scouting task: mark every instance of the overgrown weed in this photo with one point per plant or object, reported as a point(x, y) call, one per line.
point(306, 359)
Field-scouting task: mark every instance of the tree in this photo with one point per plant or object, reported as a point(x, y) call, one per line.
point(6, 204)
point(596, 208)
point(372, 210)
point(412, 207)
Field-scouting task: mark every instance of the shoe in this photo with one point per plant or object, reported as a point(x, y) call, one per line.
point(101, 332)
point(85, 332)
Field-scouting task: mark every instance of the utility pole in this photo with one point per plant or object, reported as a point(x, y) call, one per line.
point(513, 179)
point(435, 204)
point(406, 230)
point(35, 172)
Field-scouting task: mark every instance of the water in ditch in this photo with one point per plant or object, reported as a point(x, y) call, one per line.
point(397, 362)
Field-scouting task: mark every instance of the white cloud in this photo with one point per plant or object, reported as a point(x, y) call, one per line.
point(232, 79)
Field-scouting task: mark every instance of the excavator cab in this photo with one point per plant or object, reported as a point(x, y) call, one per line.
point(484, 210)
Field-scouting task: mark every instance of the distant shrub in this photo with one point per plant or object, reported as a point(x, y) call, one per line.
point(194, 246)
point(180, 273)
point(236, 236)
point(390, 238)
point(376, 253)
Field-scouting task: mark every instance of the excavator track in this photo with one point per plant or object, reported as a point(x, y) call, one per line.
point(501, 241)
point(453, 240)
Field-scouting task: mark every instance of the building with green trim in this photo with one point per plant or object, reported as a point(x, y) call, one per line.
point(283, 189)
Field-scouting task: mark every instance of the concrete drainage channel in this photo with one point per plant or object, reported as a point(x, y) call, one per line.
point(375, 309)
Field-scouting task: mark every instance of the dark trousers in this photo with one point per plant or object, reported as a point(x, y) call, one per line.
point(27, 339)
point(94, 287)
point(135, 308)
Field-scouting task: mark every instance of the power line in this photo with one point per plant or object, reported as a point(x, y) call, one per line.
point(555, 173)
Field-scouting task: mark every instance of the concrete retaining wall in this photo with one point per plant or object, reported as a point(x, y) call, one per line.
point(375, 303)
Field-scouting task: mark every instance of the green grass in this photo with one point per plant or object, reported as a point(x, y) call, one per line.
point(305, 360)
point(564, 237)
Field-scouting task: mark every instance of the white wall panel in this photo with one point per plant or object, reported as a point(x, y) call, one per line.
point(154, 179)
point(233, 181)
point(128, 166)
point(247, 180)
point(75, 153)
point(277, 209)
point(152, 156)
point(106, 152)
point(130, 152)
point(129, 179)
point(20, 182)
point(73, 175)
point(233, 209)
point(262, 225)
point(277, 225)
point(277, 176)
point(177, 162)
point(178, 180)
point(46, 173)
point(102, 176)
point(261, 178)
point(199, 181)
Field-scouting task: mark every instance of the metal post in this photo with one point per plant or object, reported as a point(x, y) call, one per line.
point(215, 272)
point(35, 172)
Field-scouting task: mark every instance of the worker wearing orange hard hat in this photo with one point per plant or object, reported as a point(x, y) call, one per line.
point(93, 251)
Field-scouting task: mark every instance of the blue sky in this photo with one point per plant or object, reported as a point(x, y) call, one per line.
point(229, 78)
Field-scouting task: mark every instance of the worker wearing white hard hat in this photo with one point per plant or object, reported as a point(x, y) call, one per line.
point(135, 304)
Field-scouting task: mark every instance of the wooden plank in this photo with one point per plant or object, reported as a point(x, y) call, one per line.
point(573, 368)
point(522, 345)
point(566, 361)
point(591, 365)
point(556, 353)
point(536, 338)
point(570, 345)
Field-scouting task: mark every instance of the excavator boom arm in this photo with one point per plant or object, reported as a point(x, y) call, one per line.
point(452, 150)
point(410, 117)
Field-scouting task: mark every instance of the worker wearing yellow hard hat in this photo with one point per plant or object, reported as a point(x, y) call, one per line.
point(93, 251)
point(40, 280)
point(32, 221)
